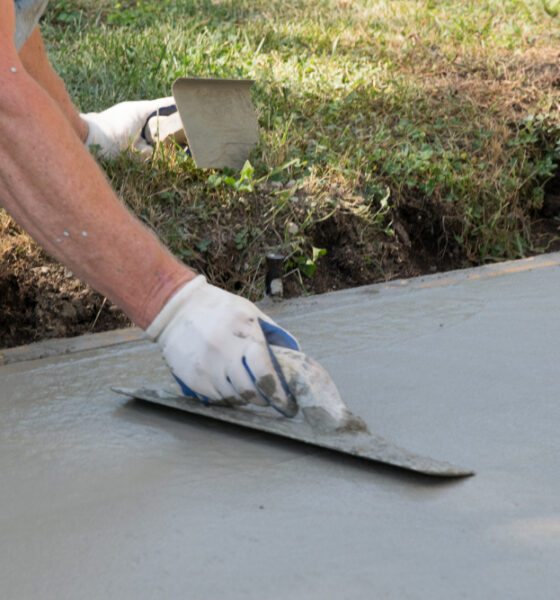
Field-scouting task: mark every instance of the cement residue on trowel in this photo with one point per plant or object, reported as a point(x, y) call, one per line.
point(316, 394)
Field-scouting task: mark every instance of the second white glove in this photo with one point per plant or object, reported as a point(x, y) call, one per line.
point(121, 126)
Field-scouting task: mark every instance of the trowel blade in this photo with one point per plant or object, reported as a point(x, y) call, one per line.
point(219, 119)
point(362, 445)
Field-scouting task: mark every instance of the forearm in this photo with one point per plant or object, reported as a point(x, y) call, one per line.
point(34, 58)
point(56, 192)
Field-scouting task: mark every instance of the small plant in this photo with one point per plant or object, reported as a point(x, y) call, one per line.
point(65, 12)
point(551, 8)
point(305, 264)
point(203, 244)
point(244, 183)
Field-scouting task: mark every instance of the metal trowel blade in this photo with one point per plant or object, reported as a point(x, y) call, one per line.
point(359, 444)
point(219, 119)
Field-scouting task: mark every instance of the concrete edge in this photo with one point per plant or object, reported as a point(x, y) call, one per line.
point(444, 278)
point(57, 347)
point(82, 343)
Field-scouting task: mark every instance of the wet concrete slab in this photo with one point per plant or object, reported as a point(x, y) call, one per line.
point(104, 497)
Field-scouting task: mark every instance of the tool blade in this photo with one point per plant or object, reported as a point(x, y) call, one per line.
point(219, 119)
point(358, 444)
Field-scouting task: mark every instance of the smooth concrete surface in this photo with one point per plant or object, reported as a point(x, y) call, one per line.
point(106, 498)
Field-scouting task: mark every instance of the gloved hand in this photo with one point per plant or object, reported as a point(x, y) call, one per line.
point(218, 347)
point(130, 124)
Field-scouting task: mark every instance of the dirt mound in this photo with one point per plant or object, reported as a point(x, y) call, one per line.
point(40, 299)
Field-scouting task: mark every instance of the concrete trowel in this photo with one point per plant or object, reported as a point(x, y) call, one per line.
point(321, 417)
point(215, 118)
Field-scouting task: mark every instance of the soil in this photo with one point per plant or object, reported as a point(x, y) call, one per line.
point(41, 299)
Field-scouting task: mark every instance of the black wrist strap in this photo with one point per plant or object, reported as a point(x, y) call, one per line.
point(164, 111)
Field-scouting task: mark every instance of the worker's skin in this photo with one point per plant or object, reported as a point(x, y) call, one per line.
point(34, 58)
point(54, 189)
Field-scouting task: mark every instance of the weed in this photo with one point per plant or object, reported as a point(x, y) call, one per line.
point(306, 264)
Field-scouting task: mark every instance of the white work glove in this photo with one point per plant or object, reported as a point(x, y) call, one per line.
point(218, 347)
point(126, 125)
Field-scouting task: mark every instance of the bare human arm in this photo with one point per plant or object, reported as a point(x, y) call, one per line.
point(53, 188)
point(34, 59)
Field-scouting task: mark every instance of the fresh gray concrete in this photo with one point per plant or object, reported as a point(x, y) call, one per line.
point(104, 498)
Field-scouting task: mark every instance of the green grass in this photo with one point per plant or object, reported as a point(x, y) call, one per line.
point(374, 115)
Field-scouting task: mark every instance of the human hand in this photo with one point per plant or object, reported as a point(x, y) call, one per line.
point(218, 347)
point(135, 124)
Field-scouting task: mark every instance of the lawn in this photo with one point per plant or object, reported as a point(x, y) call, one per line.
point(396, 137)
